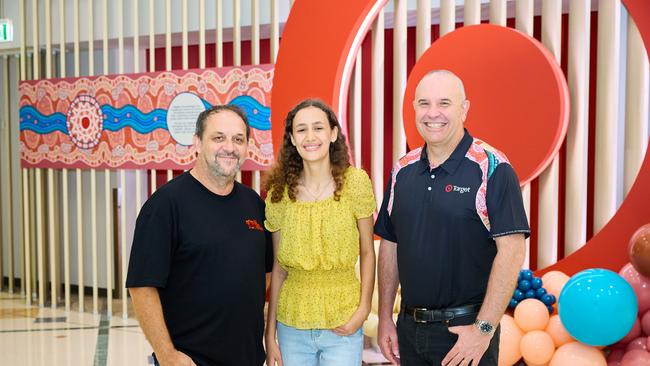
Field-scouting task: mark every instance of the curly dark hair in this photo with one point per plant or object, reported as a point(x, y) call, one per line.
point(288, 167)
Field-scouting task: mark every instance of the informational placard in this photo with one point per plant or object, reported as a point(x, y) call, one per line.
point(138, 121)
point(6, 30)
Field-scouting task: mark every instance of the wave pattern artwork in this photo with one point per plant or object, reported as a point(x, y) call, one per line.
point(138, 121)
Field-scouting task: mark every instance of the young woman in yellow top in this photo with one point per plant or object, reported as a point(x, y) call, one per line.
point(319, 210)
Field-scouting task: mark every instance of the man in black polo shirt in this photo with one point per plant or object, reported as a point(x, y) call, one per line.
point(200, 253)
point(453, 227)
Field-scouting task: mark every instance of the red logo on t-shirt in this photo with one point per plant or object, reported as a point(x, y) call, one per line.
point(253, 225)
point(448, 188)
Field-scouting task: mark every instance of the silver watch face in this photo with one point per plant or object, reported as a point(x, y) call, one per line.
point(486, 327)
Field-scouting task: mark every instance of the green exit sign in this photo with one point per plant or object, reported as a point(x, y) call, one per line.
point(6, 30)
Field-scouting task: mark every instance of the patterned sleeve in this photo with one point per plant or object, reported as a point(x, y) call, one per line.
point(361, 194)
point(274, 213)
point(505, 204)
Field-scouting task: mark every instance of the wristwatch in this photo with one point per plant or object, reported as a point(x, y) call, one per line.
point(484, 327)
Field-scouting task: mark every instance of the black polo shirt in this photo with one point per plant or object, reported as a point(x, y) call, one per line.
point(444, 221)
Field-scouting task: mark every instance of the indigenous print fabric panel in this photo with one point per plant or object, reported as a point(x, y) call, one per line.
point(138, 121)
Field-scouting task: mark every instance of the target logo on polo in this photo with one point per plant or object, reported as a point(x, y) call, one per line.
point(461, 190)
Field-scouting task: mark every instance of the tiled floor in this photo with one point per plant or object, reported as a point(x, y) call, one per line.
point(40, 336)
point(30, 335)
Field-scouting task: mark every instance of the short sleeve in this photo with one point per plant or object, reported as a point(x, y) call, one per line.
point(384, 225)
point(152, 247)
point(268, 258)
point(273, 213)
point(504, 203)
point(360, 193)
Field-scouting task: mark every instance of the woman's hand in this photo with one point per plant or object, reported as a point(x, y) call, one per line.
point(355, 322)
point(273, 355)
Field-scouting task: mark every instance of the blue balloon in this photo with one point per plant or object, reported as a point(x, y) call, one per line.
point(526, 274)
point(530, 294)
point(540, 292)
point(524, 285)
point(518, 295)
point(552, 299)
point(547, 300)
point(536, 283)
point(513, 303)
point(597, 307)
point(549, 308)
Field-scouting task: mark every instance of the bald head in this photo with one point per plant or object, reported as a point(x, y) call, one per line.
point(449, 78)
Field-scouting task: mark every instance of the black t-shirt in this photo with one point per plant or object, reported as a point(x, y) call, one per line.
point(445, 221)
point(207, 255)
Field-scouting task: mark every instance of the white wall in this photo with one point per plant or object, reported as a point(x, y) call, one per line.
point(12, 10)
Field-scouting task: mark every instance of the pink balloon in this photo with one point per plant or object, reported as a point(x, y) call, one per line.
point(614, 363)
point(640, 285)
point(616, 355)
point(634, 333)
point(636, 357)
point(645, 323)
point(637, 343)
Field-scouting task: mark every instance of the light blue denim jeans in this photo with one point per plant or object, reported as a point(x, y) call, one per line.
point(319, 347)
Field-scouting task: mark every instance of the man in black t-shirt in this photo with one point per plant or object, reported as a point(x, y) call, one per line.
point(200, 254)
point(452, 225)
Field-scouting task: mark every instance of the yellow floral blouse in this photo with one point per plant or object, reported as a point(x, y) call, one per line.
point(319, 247)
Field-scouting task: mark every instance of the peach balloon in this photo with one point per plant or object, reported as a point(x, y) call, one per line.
point(578, 354)
point(634, 333)
point(374, 304)
point(557, 331)
point(553, 282)
point(370, 325)
point(636, 357)
point(537, 347)
point(509, 340)
point(531, 314)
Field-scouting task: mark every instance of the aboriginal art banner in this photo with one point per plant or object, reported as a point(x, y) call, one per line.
point(138, 121)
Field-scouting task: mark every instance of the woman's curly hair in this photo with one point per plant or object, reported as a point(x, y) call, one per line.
point(288, 167)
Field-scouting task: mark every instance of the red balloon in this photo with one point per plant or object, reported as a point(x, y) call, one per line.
point(636, 357)
point(637, 343)
point(639, 250)
point(616, 355)
point(640, 284)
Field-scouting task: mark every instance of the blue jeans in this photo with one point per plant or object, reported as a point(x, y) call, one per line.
point(319, 347)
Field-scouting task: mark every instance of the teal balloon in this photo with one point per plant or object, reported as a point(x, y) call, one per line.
point(597, 307)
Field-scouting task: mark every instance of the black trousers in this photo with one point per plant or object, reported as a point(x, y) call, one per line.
point(427, 344)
